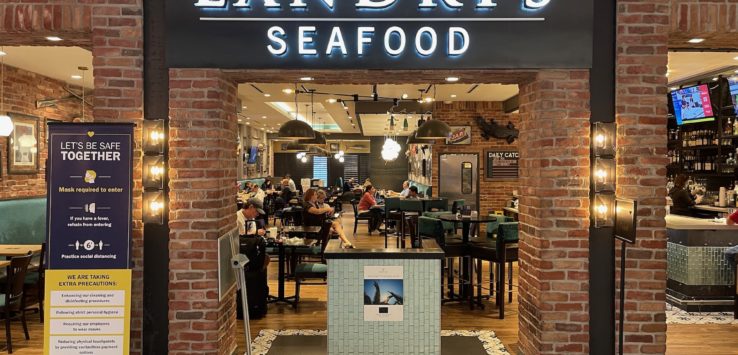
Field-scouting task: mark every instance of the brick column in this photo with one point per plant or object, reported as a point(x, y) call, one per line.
point(554, 213)
point(641, 166)
point(202, 141)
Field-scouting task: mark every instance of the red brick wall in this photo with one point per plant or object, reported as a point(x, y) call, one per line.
point(714, 20)
point(22, 89)
point(113, 30)
point(554, 213)
point(202, 170)
point(641, 117)
point(493, 194)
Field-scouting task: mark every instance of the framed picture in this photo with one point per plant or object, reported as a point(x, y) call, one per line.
point(460, 135)
point(23, 145)
point(501, 165)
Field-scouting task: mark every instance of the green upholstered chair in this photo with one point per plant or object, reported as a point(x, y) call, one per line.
point(23, 221)
point(447, 226)
point(317, 271)
point(492, 227)
point(498, 251)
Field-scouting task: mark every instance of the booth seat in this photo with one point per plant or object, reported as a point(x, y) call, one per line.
point(23, 221)
point(425, 190)
point(258, 181)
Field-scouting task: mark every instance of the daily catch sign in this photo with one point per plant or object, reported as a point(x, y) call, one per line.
point(89, 196)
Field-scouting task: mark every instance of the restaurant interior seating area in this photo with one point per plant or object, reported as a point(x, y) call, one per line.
point(422, 180)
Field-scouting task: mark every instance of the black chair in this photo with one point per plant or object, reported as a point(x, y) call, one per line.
point(499, 251)
point(313, 271)
point(365, 217)
point(454, 248)
point(13, 305)
point(36, 277)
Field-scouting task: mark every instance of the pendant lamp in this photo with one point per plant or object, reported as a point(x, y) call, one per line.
point(411, 139)
point(296, 129)
point(294, 148)
point(6, 124)
point(433, 129)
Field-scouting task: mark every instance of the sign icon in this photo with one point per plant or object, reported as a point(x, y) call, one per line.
point(88, 245)
point(90, 208)
point(90, 176)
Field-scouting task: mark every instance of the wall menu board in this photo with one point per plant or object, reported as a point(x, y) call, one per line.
point(90, 176)
point(501, 165)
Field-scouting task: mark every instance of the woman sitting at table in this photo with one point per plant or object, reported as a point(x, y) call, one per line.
point(316, 216)
point(368, 205)
point(267, 185)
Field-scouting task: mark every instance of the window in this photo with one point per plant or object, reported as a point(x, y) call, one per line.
point(320, 169)
point(351, 167)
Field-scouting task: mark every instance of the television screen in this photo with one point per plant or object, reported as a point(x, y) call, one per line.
point(692, 104)
point(253, 154)
point(733, 84)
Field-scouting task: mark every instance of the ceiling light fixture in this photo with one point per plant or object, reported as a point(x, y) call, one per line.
point(287, 91)
point(296, 129)
point(307, 78)
point(53, 38)
point(332, 101)
point(263, 117)
point(76, 77)
point(267, 95)
point(714, 79)
point(453, 96)
point(3, 53)
point(696, 40)
point(452, 79)
point(405, 96)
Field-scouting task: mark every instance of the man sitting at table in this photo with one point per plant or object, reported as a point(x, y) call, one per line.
point(248, 219)
point(412, 193)
point(257, 193)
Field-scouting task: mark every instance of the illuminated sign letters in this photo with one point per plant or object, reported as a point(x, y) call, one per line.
point(379, 34)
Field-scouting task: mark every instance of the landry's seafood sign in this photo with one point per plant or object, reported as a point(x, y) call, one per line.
point(459, 135)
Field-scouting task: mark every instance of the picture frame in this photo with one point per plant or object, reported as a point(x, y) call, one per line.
point(23, 145)
point(460, 135)
point(501, 164)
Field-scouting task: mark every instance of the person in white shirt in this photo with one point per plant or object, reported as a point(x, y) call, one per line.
point(258, 193)
point(405, 189)
point(246, 218)
point(291, 183)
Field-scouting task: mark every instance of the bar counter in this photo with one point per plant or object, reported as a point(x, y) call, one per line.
point(358, 327)
point(700, 278)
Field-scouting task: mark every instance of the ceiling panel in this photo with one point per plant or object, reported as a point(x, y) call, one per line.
point(59, 63)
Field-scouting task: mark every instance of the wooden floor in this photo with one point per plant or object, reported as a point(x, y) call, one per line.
point(312, 314)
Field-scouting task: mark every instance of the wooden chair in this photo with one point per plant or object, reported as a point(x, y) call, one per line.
point(313, 271)
point(366, 217)
point(13, 305)
point(36, 278)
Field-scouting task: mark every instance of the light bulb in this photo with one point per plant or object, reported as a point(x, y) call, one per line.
point(341, 159)
point(600, 139)
point(156, 206)
point(601, 174)
point(6, 126)
point(340, 152)
point(602, 210)
point(337, 155)
point(156, 136)
point(304, 159)
point(156, 170)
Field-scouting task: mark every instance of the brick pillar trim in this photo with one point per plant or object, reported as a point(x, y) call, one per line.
point(202, 161)
point(554, 213)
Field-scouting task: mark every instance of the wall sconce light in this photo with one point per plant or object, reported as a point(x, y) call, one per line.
point(154, 136)
point(603, 136)
point(153, 208)
point(604, 175)
point(153, 173)
point(603, 210)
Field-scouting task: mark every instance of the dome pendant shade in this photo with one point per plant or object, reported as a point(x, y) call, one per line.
point(433, 129)
point(318, 140)
point(296, 129)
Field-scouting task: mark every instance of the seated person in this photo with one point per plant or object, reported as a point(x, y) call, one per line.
point(316, 216)
point(682, 199)
point(406, 189)
point(249, 219)
point(368, 205)
point(257, 193)
point(412, 193)
point(732, 220)
point(267, 185)
point(348, 185)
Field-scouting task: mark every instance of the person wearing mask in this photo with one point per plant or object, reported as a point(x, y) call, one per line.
point(290, 183)
point(732, 220)
point(368, 205)
point(316, 216)
point(682, 199)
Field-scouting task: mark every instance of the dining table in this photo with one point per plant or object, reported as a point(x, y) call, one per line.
point(10, 250)
point(281, 247)
point(4, 263)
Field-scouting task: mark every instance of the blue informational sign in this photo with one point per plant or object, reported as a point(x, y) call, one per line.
point(90, 177)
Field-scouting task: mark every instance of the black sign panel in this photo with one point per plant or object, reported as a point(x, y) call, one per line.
point(501, 165)
point(90, 175)
point(379, 34)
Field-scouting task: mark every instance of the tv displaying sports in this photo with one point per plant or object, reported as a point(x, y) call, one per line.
point(692, 104)
point(253, 154)
point(733, 85)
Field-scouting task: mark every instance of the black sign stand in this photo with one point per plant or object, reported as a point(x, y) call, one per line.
point(625, 231)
